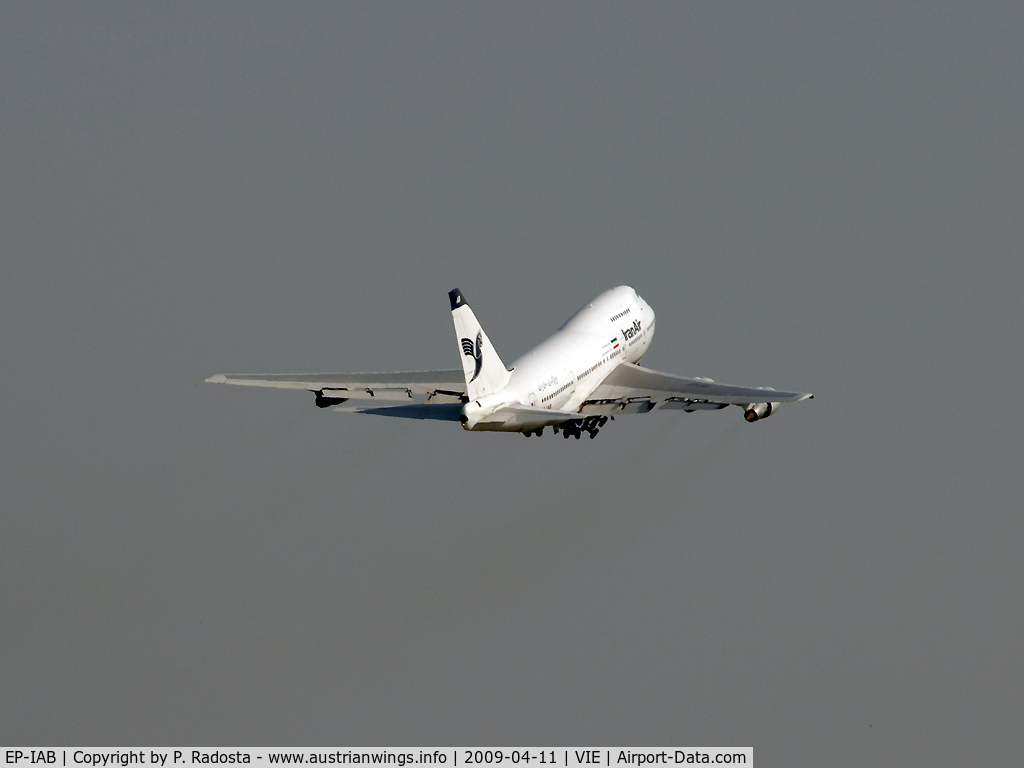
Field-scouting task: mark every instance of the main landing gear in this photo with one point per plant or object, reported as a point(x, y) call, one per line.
point(575, 428)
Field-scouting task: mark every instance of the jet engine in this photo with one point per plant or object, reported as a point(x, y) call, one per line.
point(756, 411)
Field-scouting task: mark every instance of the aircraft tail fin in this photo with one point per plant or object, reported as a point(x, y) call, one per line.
point(485, 373)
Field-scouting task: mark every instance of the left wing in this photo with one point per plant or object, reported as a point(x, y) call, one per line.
point(631, 384)
point(335, 388)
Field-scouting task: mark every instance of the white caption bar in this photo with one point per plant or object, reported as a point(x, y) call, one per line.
point(448, 757)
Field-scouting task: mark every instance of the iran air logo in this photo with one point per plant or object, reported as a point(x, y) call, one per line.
point(477, 354)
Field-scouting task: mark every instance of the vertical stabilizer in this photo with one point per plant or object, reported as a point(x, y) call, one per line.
point(485, 373)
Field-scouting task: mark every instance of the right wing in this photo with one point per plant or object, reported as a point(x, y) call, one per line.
point(637, 390)
point(335, 388)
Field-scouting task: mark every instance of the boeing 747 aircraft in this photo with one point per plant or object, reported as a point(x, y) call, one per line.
point(574, 381)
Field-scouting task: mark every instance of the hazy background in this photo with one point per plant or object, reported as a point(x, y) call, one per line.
point(826, 199)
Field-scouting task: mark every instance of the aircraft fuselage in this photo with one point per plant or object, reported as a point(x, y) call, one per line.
point(561, 372)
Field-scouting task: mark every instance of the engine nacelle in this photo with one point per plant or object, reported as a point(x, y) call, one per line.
point(757, 411)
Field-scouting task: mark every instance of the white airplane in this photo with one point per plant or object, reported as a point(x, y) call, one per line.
point(574, 381)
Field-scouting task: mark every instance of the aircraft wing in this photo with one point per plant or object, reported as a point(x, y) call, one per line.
point(333, 388)
point(630, 383)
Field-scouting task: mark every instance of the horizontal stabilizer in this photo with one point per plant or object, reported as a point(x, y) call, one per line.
point(518, 418)
point(426, 411)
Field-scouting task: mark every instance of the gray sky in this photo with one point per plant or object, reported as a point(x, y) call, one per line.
point(822, 198)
